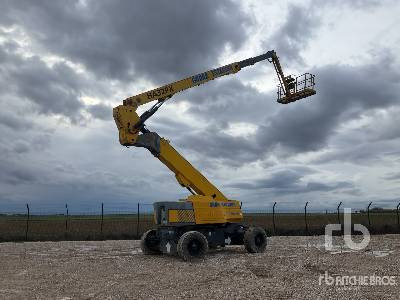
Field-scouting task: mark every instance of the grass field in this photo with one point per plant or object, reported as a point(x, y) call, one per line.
point(129, 226)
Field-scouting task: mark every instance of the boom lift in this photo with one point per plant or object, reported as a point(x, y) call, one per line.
point(207, 218)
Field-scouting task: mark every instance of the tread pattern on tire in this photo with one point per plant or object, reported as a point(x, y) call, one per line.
point(249, 240)
point(182, 247)
point(146, 249)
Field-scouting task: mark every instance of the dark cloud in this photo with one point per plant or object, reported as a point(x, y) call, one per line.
point(343, 93)
point(54, 90)
point(14, 173)
point(392, 176)
point(356, 154)
point(303, 22)
point(160, 40)
point(357, 4)
point(17, 177)
point(21, 147)
point(229, 100)
point(294, 35)
point(291, 181)
point(100, 111)
point(14, 122)
point(279, 180)
point(213, 144)
point(359, 148)
point(383, 125)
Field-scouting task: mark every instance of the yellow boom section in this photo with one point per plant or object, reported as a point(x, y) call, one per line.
point(168, 90)
point(186, 175)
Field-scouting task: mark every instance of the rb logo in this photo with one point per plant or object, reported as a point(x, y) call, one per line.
point(347, 233)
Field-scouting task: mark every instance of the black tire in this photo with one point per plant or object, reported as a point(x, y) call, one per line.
point(192, 245)
point(255, 240)
point(150, 243)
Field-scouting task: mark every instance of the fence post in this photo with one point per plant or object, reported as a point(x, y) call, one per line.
point(137, 220)
point(27, 222)
point(102, 218)
point(369, 219)
point(273, 217)
point(398, 217)
point(305, 216)
point(66, 218)
point(338, 214)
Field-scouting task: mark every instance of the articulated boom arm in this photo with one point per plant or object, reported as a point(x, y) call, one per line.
point(167, 91)
point(186, 175)
point(130, 124)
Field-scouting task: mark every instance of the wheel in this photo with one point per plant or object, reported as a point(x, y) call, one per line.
point(255, 240)
point(191, 245)
point(150, 243)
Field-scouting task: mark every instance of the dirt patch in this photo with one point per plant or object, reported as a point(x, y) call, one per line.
point(290, 268)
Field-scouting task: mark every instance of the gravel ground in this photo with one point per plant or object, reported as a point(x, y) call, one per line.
point(290, 268)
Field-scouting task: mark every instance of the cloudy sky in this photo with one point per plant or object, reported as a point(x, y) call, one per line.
point(65, 64)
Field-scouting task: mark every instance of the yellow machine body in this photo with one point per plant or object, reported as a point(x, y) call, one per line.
point(206, 211)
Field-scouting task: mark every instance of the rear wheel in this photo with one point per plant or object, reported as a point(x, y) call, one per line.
point(150, 243)
point(255, 240)
point(192, 245)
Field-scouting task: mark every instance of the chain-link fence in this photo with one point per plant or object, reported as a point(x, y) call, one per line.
point(32, 224)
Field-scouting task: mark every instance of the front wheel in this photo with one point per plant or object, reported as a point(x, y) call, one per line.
point(192, 245)
point(149, 243)
point(255, 240)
